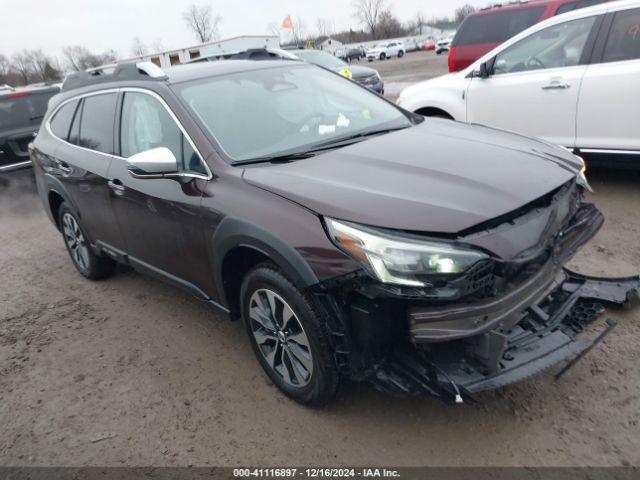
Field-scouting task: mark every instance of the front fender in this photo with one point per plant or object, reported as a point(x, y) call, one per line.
point(446, 93)
point(234, 232)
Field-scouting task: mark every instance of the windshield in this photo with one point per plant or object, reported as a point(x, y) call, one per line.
point(267, 112)
point(323, 59)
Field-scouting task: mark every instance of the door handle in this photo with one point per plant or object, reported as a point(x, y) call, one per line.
point(64, 167)
point(116, 185)
point(556, 86)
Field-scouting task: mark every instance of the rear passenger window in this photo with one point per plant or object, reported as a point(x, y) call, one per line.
point(624, 37)
point(568, 7)
point(96, 128)
point(146, 124)
point(61, 122)
point(496, 27)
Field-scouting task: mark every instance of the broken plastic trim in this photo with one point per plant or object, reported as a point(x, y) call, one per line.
point(542, 339)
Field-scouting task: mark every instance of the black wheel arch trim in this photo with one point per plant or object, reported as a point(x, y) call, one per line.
point(233, 232)
point(54, 185)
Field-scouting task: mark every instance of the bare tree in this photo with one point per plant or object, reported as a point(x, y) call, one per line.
point(368, 12)
point(324, 27)
point(200, 20)
point(420, 22)
point(77, 57)
point(389, 26)
point(463, 12)
point(299, 31)
point(138, 48)
point(157, 45)
point(5, 69)
point(21, 62)
point(273, 28)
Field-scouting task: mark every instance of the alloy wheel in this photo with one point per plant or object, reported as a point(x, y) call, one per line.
point(75, 241)
point(280, 337)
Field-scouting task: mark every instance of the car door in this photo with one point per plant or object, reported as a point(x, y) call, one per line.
point(609, 99)
point(81, 161)
point(160, 217)
point(534, 84)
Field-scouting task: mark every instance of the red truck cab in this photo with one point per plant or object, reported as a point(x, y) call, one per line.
point(484, 30)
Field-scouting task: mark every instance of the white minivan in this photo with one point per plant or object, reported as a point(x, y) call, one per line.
point(573, 80)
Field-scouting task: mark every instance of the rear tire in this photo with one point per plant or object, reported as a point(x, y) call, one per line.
point(89, 264)
point(400, 54)
point(288, 335)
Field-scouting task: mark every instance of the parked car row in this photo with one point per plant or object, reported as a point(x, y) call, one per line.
point(571, 80)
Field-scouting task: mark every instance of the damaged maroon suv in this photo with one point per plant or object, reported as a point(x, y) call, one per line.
point(353, 239)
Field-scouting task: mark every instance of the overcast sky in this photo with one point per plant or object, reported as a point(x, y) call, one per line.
point(103, 24)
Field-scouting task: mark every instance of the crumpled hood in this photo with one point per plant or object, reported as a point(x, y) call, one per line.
point(439, 176)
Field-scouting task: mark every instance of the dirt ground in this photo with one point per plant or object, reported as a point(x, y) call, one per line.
point(130, 371)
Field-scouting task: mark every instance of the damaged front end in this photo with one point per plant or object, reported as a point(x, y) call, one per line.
point(508, 317)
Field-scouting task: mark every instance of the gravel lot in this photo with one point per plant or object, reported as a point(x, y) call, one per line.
point(130, 371)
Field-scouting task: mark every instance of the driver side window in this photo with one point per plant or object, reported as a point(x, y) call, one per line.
point(554, 47)
point(146, 124)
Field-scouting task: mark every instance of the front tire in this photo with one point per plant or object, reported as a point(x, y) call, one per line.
point(89, 264)
point(383, 56)
point(400, 54)
point(288, 336)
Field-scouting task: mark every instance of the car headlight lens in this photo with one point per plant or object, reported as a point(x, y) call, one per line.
point(400, 261)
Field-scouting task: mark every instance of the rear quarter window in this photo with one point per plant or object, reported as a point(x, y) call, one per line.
point(61, 122)
point(496, 27)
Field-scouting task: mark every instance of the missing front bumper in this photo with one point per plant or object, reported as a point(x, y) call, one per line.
point(546, 332)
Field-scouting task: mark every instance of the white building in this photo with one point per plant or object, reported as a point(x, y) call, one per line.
point(329, 45)
point(235, 44)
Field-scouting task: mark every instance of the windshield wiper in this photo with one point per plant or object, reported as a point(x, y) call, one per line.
point(284, 158)
point(329, 145)
point(362, 135)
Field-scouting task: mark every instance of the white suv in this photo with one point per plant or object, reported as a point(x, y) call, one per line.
point(386, 50)
point(573, 80)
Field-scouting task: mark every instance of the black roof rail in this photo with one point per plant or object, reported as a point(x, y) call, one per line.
point(112, 73)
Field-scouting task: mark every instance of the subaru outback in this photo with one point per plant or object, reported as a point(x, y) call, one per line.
point(353, 239)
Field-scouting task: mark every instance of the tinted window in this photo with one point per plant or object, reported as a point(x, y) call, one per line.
point(146, 124)
point(568, 7)
point(554, 47)
point(624, 37)
point(61, 122)
point(496, 27)
point(96, 129)
point(21, 110)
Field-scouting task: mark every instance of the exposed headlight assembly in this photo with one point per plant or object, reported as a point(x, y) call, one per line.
point(400, 261)
point(582, 177)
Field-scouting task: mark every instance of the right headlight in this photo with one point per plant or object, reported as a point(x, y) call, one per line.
point(397, 260)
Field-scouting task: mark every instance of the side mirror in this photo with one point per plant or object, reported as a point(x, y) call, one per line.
point(155, 163)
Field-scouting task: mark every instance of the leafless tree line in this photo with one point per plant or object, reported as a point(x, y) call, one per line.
point(379, 21)
point(33, 66)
